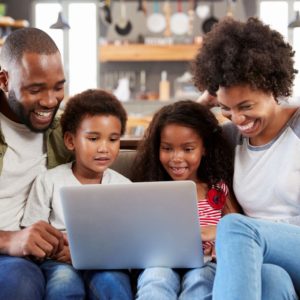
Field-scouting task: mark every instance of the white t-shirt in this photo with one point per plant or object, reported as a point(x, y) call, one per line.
point(267, 178)
point(24, 159)
point(44, 201)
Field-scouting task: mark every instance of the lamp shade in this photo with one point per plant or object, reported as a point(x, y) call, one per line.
point(60, 23)
point(296, 22)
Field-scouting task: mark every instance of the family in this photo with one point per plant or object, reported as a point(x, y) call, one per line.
point(251, 234)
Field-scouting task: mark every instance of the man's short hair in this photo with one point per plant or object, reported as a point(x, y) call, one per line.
point(26, 40)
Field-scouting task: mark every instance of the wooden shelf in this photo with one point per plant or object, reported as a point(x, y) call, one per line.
point(9, 22)
point(140, 52)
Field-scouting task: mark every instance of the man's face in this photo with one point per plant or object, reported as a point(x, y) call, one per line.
point(35, 89)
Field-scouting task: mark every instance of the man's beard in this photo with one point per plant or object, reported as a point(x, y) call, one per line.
point(18, 109)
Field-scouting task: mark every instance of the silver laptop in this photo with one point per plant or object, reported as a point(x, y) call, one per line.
point(134, 225)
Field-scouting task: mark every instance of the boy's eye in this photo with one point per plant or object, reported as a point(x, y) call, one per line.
point(92, 138)
point(114, 139)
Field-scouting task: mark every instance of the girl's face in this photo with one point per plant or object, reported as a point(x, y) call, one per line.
point(252, 111)
point(96, 145)
point(181, 151)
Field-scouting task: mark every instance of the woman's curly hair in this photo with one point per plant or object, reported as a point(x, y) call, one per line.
point(216, 165)
point(251, 53)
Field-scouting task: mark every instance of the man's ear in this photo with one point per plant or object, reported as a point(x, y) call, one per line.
point(69, 140)
point(4, 80)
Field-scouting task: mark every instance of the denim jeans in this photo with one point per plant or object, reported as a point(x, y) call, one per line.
point(158, 283)
point(20, 279)
point(108, 285)
point(62, 281)
point(166, 283)
point(256, 259)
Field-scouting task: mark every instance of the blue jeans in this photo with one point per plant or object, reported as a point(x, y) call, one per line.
point(255, 255)
point(20, 279)
point(108, 285)
point(166, 283)
point(62, 281)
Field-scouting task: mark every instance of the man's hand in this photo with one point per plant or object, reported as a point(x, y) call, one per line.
point(64, 255)
point(40, 240)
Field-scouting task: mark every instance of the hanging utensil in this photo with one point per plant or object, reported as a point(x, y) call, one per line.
point(179, 21)
point(202, 10)
point(210, 21)
point(191, 15)
point(105, 12)
point(156, 22)
point(167, 14)
point(124, 26)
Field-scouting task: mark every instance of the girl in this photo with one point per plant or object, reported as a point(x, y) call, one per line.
point(185, 142)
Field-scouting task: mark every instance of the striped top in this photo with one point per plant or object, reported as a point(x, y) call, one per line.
point(208, 215)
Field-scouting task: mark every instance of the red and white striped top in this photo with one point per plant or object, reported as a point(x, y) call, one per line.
point(208, 215)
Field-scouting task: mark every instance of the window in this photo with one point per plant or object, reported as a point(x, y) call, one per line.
point(282, 13)
point(78, 45)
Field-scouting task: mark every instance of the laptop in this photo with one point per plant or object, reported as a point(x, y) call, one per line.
point(134, 225)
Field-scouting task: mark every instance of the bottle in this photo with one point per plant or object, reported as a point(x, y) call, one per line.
point(164, 87)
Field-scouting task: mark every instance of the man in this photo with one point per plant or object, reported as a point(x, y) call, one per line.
point(31, 89)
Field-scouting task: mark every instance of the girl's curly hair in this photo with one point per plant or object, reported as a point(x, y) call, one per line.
point(251, 53)
point(216, 165)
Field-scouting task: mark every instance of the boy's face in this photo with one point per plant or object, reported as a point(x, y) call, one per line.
point(96, 145)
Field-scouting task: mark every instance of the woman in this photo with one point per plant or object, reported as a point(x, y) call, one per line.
point(250, 68)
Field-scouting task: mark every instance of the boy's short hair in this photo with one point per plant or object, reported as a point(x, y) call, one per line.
point(91, 102)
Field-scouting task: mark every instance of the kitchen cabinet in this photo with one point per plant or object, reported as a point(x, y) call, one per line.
point(142, 52)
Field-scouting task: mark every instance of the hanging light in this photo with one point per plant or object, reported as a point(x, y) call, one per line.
point(296, 22)
point(61, 23)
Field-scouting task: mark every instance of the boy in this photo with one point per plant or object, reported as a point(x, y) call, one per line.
point(92, 125)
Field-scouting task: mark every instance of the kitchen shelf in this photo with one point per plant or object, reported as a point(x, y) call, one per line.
point(8, 23)
point(140, 52)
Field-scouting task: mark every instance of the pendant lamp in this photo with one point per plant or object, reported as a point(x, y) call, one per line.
point(296, 22)
point(61, 23)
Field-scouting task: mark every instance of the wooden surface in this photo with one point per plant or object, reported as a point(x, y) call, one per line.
point(140, 52)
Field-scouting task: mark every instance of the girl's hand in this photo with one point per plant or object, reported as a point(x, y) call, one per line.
point(208, 233)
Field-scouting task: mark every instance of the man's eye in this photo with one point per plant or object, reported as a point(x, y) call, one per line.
point(34, 91)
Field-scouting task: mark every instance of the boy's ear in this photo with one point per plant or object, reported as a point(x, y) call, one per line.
point(3, 80)
point(69, 140)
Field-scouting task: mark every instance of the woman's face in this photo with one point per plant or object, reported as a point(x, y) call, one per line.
point(181, 151)
point(252, 111)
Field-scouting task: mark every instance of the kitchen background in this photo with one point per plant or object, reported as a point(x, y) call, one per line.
point(141, 49)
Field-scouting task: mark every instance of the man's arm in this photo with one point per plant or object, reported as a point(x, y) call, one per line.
point(39, 240)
